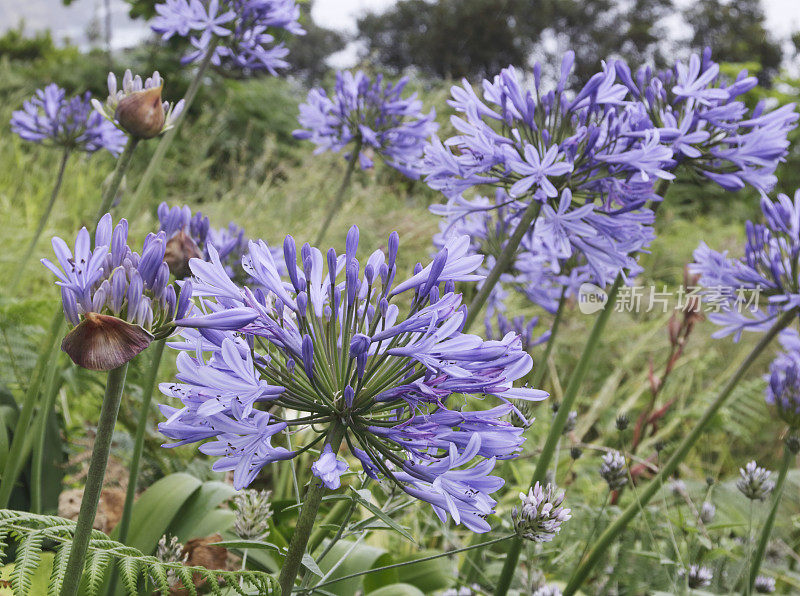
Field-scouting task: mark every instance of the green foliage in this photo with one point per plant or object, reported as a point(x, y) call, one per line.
point(137, 570)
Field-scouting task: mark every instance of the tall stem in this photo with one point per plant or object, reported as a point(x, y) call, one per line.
point(14, 459)
point(123, 163)
point(339, 198)
point(557, 427)
point(42, 220)
point(609, 535)
point(305, 522)
point(138, 443)
point(541, 369)
point(503, 263)
point(169, 136)
point(769, 523)
point(94, 480)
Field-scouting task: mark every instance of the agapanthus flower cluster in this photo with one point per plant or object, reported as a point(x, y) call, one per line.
point(324, 350)
point(750, 292)
point(541, 515)
point(783, 380)
point(614, 470)
point(189, 236)
point(548, 590)
point(700, 116)
point(754, 482)
point(370, 116)
point(50, 118)
point(697, 576)
point(707, 512)
point(137, 108)
point(253, 512)
point(241, 32)
point(116, 299)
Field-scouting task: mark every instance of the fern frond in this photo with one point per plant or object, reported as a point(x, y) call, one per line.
point(59, 569)
point(28, 556)
point(31, 530)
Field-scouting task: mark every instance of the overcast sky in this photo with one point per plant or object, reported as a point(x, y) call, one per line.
point(71, 22)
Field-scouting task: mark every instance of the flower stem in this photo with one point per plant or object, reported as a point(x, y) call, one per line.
point(557, 427)
point(123, 163)
point(541, 369)
point(339, 198)
point(502, 263)
point(769, 523)
point(611, 532)
point(138, 443)
point(94, 480)
point(305, 521)
point(14, 459)
point(169, 136)
point(42, 221)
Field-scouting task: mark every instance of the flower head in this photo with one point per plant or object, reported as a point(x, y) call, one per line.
point(371, 114)
point(241, 31)
point(253, 511)
point(548, 590)
point(190, 235)
point(117, 300)
point(614, 470)
point(750, 292)
point(764, 584)
point(137, 107)
point(754, 482)
point(697, 576)
point(698, 114)
point(783, 380)
point(707, 512)
point(324, 344)
point(540, 517)
point(52, 119)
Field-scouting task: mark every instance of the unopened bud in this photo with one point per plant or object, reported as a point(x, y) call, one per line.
point(180, 248)
point(793, 444)
point(622, 422)
point(141, 113)
point(673, 329)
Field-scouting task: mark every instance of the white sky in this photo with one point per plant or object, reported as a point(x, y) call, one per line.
point(71, 22)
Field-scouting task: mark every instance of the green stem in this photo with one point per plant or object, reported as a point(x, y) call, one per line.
point(557, 427)
point(541, 369)
point(138, 447)
point(339, 198)
point(42, 221)
point(94, 480)
point(41, 433)
point(769, 523)
point(123, 163)
point(169, 136)
point(14, 460)
point(305, 521)
point(609, 535)
point(503, 263)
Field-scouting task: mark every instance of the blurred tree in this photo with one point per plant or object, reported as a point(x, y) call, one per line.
point(450, 38)
point(736, 30)
point(308, 53)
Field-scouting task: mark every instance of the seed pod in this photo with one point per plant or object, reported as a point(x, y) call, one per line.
point(141, 113)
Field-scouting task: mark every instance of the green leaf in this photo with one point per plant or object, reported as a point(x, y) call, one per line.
point(376, 511)
point(198, 517)
point(310, 564)
point(247, 544)
point(397, 590)
point(157, 508)
point(39, 580)
point(360, 558)
point(429, 576)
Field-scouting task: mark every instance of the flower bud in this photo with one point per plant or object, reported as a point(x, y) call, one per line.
point(180, 249)
point(141, 113)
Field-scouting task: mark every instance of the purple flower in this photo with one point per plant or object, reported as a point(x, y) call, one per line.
point(242, 29)
point(535, 170)
point(329, 468)
point(783, 380)
point(50, 118)
point(748, 294)
point(697, 113)
point(117, 300)
point(372, 113)
point(321, 342)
